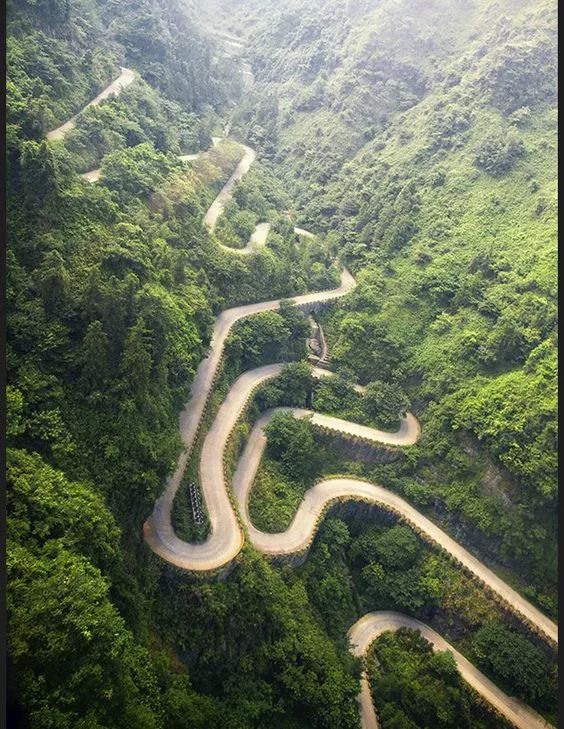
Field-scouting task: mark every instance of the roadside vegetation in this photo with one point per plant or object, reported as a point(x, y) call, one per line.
point(422, 153)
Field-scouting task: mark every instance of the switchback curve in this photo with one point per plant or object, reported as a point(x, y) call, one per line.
point(260, 234)
point(365, 631)
point(216, 208)
point(95, 175)
point(256, 242)
point(258, 239)
point(158, 529)
point(300, 533)
point(226, 536)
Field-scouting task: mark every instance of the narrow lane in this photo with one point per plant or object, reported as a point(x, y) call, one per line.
point(216, 208)
point(126, 78)
point(94, 175)
point(316, 500)
point(365, 631)
point(256, 241)
point(226, 538)
point(158, 529)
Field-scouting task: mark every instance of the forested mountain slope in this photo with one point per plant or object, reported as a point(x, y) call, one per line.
point(61, 54)
point(111, 292)
point(424, 152)
point(427, 151)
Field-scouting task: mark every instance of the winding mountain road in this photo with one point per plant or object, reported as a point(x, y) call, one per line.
point(94, 175)
point(226, 533)
point(300, 533)
point(126, 78)
point(260, 234)
point(216, 208)
point(158, 530)
point(365, 631)
point(226, 538)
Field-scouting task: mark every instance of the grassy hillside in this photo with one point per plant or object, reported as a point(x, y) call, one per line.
point(333, 76)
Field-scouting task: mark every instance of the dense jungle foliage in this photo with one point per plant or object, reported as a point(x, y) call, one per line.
point(424, 154)
point(410, 683)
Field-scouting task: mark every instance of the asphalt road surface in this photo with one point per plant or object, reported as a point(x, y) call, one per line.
point(365, 631)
